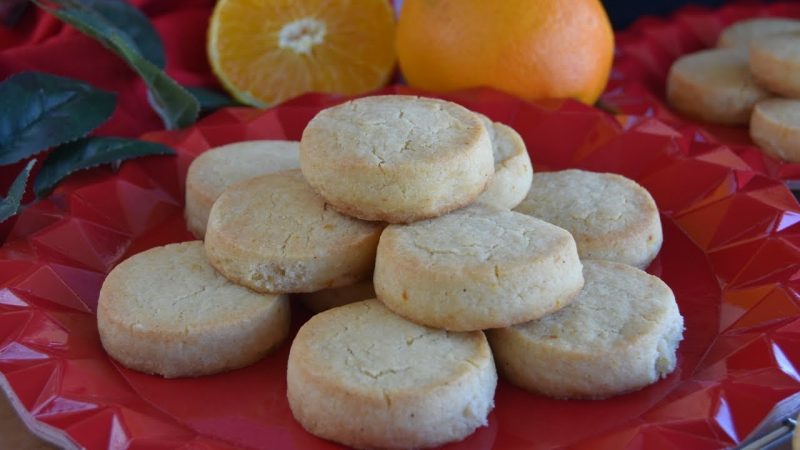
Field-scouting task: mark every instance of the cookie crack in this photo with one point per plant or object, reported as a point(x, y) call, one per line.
point(175, 300)
point(374, 151)
point(286, 242)
point(410, 340)
point(373, 374)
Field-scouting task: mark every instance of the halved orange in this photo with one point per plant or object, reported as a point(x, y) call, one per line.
point(267, 51)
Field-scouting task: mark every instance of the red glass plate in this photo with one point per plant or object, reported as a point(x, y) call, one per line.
point(730, 254)
point(646, 51)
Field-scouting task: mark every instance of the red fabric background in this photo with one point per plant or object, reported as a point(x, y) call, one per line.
point(41, 42)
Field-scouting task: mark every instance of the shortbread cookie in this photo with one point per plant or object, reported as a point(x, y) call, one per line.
point(362, 376)
point(476, 268)
point(274, 234)
point(167, 311)
point(331, 298)
point(512, 167)
point(775, 63)
point(619, 335)
point(611, 217)
point(714, 86)
point(741, 33)
point(775, 127)
point(397, 158)
point(215, 170)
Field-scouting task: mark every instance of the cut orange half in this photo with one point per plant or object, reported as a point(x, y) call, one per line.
point(267, 51)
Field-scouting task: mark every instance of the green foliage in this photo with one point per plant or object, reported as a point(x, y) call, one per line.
point(174, 104)
point(40, 111)
point(91, 152)
point(9, 206)
point(210, 99)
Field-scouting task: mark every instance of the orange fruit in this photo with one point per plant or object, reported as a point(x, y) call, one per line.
point(267, 51)
point(530, 48)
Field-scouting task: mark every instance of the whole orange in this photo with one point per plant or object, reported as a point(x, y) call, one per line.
point(530, 48)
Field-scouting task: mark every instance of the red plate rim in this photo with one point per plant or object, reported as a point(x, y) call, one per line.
point(731, 255)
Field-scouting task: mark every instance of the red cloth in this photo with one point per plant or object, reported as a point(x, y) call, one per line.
point(41, 42)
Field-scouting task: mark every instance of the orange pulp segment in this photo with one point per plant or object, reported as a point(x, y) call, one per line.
point(267, 51)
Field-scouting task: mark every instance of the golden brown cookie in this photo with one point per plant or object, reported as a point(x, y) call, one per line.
point(274, 234)
point(397, 158)
point(741, 33)
point(775, 62)
point(362, 376)
point(619, 335)
point(476, 268)
point(611, 217)
point(215, 170)
point(714, 86)
point(167, 311)
point(775, 127)
point(512, 167)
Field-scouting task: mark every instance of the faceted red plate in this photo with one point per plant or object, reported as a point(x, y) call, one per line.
point(645, 52)
point(731, 255)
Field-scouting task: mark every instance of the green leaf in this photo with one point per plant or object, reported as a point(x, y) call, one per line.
point(134, 28)
point(210, 99)
point(9, 206)
point(91, 152)
point(176, 106)
point(40, 110)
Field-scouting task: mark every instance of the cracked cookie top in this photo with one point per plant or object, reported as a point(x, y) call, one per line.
point(279, 214)
point(590, 205)
point(475, 236)
point(366, 346)
point(174, 290)
point(618, 305)
point(385, 131)
point(397, 158)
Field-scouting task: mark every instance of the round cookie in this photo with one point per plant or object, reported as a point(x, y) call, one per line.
point(167, 311)
point(775, 127)
point(367, 378)
point(619, 335)
point(215, 170)
point(397, 158)
point(512, 167)
point(741, 33)
point(331, 298)
point(476, 268)
point(775, 62)
point(273, 233)
point(611, 217)
point(714, 86)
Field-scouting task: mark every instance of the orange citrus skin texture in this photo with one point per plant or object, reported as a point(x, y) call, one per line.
point(267, 51)
point(530, 48)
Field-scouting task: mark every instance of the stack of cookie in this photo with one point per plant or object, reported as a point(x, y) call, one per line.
point(742, 81)
point(399, 227)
